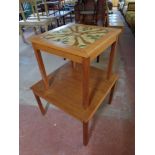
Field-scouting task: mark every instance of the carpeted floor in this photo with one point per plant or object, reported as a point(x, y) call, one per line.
point(56, 133)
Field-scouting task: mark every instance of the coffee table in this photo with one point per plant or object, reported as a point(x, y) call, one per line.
point(76, 88)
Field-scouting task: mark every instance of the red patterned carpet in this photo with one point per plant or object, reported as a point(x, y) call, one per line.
point(56, 133)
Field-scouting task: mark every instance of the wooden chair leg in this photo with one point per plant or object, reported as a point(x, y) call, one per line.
point(111, 93)
point(42, 109)
point(85, 133)
point(98, 59)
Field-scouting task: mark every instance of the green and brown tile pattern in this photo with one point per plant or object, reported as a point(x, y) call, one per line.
point(77, 35)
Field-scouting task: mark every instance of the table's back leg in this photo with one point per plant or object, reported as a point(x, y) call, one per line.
point(111, 59)
point(85, 133)
point(85, 82)
point(112, 93)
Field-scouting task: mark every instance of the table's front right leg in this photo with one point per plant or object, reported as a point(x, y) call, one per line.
point(85, 82)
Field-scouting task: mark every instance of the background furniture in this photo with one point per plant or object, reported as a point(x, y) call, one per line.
point(110, 6)
point(85, 12)
point(91, 12)
point(127, 8)
point(76, 88)
point(115, 2)
point(123, 5)
point(37, 20)
point(40, 16)
point(130, 15)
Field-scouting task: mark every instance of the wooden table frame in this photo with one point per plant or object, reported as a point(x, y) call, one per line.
point(85, 61)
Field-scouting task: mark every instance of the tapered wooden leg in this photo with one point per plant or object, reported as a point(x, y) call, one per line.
point(41, 66)
point(85, 133)
point(112, 93)
point(42, 109)
point(86, 65)
point(111, 60)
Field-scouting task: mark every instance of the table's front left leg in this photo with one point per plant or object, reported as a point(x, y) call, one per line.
point(41, 66)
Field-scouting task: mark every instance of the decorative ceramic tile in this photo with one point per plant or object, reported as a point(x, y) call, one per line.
point(77, 35)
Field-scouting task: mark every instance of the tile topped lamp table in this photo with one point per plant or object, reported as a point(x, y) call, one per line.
point(76, 88)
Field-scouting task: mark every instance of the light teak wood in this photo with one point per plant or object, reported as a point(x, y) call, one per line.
point(75, 53)
point(43, 111)
point(41, 66)
point(65, 90)
point(80, 90)
point(111, 59)
point(86, 66)
point(85, 133)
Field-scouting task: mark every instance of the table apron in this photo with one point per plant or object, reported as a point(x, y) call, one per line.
point(60, 53)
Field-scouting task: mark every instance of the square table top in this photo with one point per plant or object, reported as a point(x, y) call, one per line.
point(76, 39)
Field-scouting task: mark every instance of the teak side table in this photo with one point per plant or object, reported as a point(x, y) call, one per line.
point(76, 87)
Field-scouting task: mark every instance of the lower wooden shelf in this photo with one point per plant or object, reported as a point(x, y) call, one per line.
point(65, 91)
